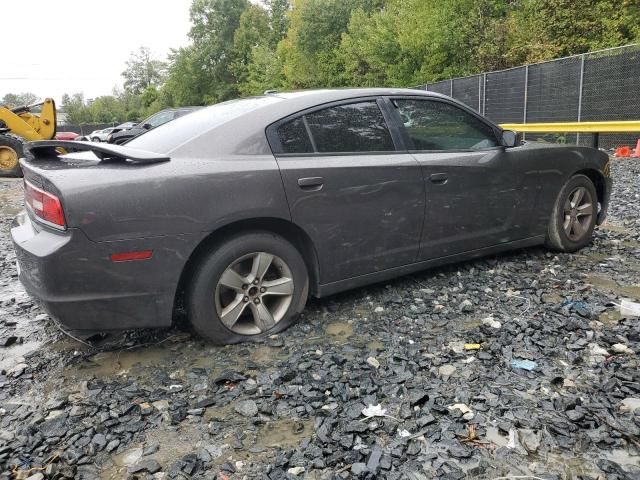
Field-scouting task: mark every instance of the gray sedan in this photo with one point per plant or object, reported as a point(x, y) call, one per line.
point(243, 209)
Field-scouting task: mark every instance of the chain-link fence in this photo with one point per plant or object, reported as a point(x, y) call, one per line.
point(597, 86)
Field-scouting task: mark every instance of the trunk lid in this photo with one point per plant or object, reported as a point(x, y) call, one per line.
point(85, 168)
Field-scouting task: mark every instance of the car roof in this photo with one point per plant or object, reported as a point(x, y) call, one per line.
point(334, 94)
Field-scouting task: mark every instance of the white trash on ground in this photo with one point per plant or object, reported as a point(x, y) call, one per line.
point(629, 308)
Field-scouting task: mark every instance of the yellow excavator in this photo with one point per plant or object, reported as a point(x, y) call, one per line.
point(20, 125)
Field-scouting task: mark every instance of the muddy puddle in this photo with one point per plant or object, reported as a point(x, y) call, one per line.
point(630, 244)
point(11, 198)
point(570, 468)
point(10, 356)
point(574, 468)
point(245, 358)
point(265, 355)
point(171, 444)
point(598, 257)
point(177, 357)
point(284, 433)
point(606, 284)
point(614, 228)
point(610, 317)
point(14, 291)
point(122, 362)
point(339, 332)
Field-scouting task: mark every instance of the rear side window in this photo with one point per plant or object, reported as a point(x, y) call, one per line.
point(433, 125)
point(293, 137)
point(351, 128)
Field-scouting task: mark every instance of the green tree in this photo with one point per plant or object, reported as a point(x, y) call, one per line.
point(264, 72)
point(279, 19)
point(143, 71)
point(254, 30)
point(76, 109)
point(106, 109)
point(264, 69)
point(545, 29)
point(209, 59)
point(371, 52)
point(242, 48)
point(19, 99)
point(186, 84)
point(310, 52)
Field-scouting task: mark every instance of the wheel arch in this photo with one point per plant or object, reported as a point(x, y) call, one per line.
point(598, 181)
point(290, 231)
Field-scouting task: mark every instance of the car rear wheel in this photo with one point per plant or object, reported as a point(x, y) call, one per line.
point(11, 150)
point(574, 215)
point(248, 287)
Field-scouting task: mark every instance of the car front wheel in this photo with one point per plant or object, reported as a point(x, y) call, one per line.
point(574, 215)
point(246, 288)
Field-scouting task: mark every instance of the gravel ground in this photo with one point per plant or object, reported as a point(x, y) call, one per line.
point(513, 366)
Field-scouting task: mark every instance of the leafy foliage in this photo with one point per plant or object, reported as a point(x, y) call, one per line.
point(143, 71)
point(13, 100)
point(240, 48)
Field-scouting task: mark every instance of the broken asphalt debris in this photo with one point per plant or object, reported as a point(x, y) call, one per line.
point(522, 365)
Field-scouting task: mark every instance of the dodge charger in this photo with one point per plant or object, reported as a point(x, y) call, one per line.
point(243, 209)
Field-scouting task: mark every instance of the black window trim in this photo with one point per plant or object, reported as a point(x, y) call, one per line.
point(388, 99)
point(394, 131)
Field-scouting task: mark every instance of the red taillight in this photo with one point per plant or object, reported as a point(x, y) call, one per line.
point(44, 205)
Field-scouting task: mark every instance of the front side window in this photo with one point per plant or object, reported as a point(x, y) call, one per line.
point(433, 125)
point(351, 128)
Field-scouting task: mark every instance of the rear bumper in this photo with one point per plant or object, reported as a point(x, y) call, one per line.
point(74, 279)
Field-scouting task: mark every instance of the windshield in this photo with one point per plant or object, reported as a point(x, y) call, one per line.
point(168, 137)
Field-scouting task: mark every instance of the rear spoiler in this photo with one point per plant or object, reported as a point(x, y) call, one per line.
point(104, 152)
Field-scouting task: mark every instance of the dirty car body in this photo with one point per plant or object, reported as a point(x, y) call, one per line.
point(396, 202)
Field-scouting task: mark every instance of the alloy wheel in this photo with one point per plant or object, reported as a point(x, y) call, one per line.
point(254, 293)
point(578, 214)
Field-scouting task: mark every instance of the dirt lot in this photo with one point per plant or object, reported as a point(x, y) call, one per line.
point(303, 404)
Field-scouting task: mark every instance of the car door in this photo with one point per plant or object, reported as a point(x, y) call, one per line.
point(476, 195)
point(360, 200)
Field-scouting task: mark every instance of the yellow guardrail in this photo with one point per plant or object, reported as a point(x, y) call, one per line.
point(596, 128)
point(575, 127)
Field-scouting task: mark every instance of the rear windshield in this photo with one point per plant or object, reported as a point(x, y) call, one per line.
point(173, 134)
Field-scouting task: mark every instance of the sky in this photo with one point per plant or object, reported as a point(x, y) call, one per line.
point(52, 47)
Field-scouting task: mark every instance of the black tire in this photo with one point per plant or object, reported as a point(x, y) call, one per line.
point(557, 237)
point(202, 292)
point(96, 139)
point(8, 144)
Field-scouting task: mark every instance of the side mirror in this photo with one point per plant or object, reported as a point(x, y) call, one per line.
point(510, 138)
point(147, 126)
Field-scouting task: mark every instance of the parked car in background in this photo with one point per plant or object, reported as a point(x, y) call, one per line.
point(241, 210)
point(66, 135)
point(150, 123)
point(101, 135)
